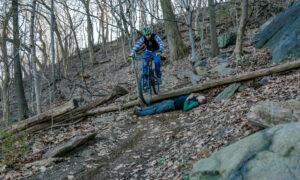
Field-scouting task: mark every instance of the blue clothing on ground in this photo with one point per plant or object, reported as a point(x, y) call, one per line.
point(179, 102)
point(162, 107)
point(146, 57)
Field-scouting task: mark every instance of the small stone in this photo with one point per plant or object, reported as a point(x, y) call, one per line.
point(70, 177)
point(88, 153)
point(43, 169)
point(120, 117)
point(200, 71)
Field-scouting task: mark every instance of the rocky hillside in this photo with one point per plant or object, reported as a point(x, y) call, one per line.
point(162, 146)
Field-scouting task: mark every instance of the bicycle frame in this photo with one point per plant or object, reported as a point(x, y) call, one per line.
point(148, 80)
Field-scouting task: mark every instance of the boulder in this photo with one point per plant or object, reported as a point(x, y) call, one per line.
point(222, 69)
point(273, 153)
point(195, 78)
point(227, 92)
point(282, 35)
point(63, 149)
point(226, 39)
point(269, 113)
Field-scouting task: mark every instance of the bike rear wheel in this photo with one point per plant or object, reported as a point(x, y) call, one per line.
point(145, 91)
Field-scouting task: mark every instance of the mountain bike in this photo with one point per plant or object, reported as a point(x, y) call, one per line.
point(148, 83)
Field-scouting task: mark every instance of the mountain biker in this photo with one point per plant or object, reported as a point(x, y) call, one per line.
point(185, 103)
point(154, 48)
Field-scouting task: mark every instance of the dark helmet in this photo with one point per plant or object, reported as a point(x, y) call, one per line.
point(146, 30)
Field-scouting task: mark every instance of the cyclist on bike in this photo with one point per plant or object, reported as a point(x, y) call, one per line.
point(154, 48)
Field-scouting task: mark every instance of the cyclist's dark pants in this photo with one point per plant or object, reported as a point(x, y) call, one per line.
point(157, 61)
point(162, 107)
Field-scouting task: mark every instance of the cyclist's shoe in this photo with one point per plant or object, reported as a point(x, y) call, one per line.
point(130, 58)
point(136, 110)
point(159, 81)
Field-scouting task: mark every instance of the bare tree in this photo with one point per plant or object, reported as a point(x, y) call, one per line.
point(189, 8)
point(213, 33)
point(176, 45)
point(143, 20)
point(6, 75)
point(53, 49)
point(55, 29)
point(33, 59)
point(103, 18)
point(23, 110)
point(86, 4)
point(241, 30)
point(75, 36)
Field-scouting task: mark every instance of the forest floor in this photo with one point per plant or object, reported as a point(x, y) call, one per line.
point(162, 146)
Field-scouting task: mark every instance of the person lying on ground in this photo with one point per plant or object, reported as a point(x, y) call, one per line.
point(185, 103)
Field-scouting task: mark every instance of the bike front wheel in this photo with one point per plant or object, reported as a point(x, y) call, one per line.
point(155, 85)
point(145, 91)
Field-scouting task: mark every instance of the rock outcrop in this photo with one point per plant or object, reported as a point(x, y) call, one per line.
point(273, 153)
point(269, 113)
point(282, 35)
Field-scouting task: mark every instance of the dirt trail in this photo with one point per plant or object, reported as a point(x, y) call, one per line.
point(130, 142)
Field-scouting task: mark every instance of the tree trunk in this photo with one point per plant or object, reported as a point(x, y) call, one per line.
point(6, 75)
point(176, 45)
point(75, 37)
point(198, 10)
point(89, 31)
point(188, 12)
point(23, 110)
point(213, 33)
point(44, 51)
point(143, 20)
point(238, 51)
point(106, 19)
point(33, 60)
point(103, 9)
point(53, 51)
point(64, 54)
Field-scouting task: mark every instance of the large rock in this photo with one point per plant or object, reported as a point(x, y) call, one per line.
point(269, 113)
point(62, 149)
point(273, 153)
point(226, 39)
point(282, 34)
point(194, 78)
point(227, 92)
point(222, 69)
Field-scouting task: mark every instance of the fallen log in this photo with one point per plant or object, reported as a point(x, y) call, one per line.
point(46, 116)
point(70, 145)
point(88, 110)
point(112, 108)
point(67, 111)
point(201, 87)
point(228, 80)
